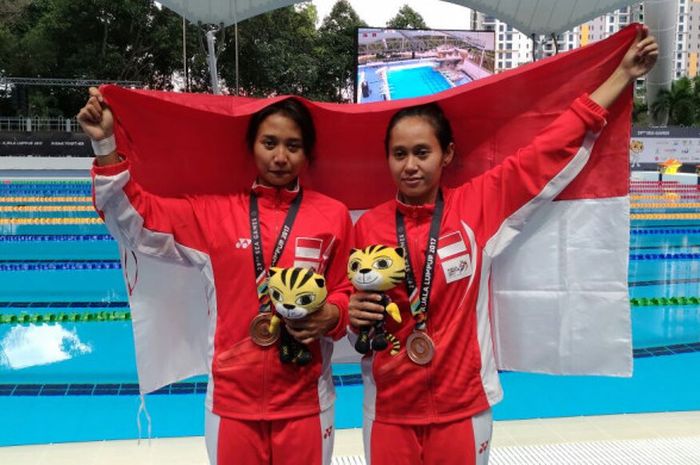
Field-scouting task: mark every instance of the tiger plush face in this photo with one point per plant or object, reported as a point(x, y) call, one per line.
point(376, 268)
point(296, 292)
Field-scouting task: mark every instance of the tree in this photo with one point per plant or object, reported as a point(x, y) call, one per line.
point(640, 112)
point(280, 52)
point(677, 103)
point(695, 83)
point(335, 53)
point(10, 10)
point(90, 39)
point(276, 53)
point(407, 18)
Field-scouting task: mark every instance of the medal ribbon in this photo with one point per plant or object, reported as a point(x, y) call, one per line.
point(419, 300)
point(256, 241)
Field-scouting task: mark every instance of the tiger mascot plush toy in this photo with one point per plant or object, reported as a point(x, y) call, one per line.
point(295, 293)
point(378, 268)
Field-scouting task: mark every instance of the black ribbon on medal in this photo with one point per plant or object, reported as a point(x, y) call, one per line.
point(419, 347)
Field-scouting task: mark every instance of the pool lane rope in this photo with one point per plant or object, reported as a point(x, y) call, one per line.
point(40, 182)
point(93, 265)
point(665, 216)
point(56, 238)
point(24, 318)
point(50, 221)
point(663, 301)
point(59, 265)
point(55, 221)
point(664, 231)
point(665, 191)
point(52, 193)
point(47, 208)
point(664, 256)
point(39, 199)
point(665, 197)
point(665, 205)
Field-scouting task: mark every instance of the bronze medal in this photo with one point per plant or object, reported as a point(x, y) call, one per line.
point(420, 348)
point(260, 330)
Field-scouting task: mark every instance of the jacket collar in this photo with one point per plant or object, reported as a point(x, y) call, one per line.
point(282, 194)
point(414, 211)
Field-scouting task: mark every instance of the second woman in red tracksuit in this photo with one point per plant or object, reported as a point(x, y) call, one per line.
point(258, 409)
point(431, 403)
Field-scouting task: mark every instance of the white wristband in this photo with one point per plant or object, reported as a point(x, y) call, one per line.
point(104, 146)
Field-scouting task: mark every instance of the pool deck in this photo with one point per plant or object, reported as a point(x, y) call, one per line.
point(660, 438)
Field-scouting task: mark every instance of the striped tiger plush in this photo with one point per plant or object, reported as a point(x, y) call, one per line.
point(295, 293)
point(378, 268)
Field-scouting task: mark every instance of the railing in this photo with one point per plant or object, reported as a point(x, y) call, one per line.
point(70, 82)
point(36, 124)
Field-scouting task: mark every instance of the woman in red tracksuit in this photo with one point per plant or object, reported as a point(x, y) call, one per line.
point(260, 410)
point(431, 403)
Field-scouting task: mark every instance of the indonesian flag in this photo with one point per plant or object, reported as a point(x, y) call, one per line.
point(559, 294)
point(454, 257)
point(307, 253)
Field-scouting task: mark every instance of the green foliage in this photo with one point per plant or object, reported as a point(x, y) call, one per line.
point(640, 112)
point(407, 18)
point(280, 52)
point(680, 103)
point(276, 53)
point(92, 39)
point(335, 52)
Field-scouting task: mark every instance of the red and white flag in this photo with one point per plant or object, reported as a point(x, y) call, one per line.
point(559, 294)
point(454, 257)
point(307, 252)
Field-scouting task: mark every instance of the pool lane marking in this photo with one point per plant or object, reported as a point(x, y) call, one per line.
point(668, 247)
point(55, 237)
point(49, 221)
point(666, 197)
point(665, 216)
point(46, 208)
point(661, 282)
point(664, 205)
point(58, 265)
point(35, 199)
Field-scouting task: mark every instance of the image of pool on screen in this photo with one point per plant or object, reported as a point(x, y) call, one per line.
point(404, 63)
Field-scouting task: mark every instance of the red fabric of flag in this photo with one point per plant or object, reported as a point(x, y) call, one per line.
point(195, 143)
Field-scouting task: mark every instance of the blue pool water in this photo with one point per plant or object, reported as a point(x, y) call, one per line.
point(415, 82)
point(76, 380)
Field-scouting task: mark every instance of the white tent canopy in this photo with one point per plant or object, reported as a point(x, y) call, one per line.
point(223, 11)
point(544, 16)
point(528, 16)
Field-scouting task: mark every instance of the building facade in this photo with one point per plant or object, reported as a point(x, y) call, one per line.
point(514, 48)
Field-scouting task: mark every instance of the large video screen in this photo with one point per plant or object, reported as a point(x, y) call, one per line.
point(403, 63)
point(650, 147)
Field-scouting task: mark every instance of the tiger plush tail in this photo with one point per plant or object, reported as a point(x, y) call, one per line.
point(395, 344)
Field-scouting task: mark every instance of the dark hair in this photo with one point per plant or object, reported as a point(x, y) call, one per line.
point(292, 109)
point(433, 114)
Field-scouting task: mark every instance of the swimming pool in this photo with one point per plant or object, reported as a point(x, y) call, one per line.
point(67, 368)
point(415, 81)
point(405, 79)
